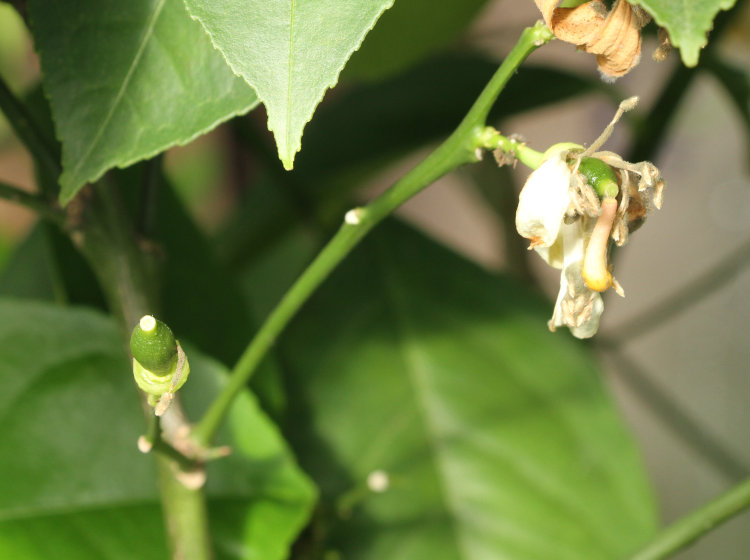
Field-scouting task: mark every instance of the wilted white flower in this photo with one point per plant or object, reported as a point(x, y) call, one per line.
point(571, 227)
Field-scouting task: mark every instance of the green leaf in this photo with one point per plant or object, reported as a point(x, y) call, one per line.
point(290, 52)
point(70, 413)
point(408, 32)
point(128, 80)
point(497, 436)
point(687, 21)
point(30, 271)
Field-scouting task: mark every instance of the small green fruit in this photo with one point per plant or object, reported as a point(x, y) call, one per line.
point(600, 176)
point(160, 367)
point(153, 346)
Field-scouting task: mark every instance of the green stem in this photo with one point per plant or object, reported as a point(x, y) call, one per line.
point(28, 133)
point(32, 201)
point(494, 140)
point(104, 236)
point(696, 524)
point(459, 148)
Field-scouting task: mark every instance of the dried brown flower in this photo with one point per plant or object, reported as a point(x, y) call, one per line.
point(614, 36)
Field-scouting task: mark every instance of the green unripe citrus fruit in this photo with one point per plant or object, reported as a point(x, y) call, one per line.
point(600, 176)
point(153, 346)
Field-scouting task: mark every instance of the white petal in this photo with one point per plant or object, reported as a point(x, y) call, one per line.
point(577, 307)
point(588, 328)
point(552, 255)
point(543, 201)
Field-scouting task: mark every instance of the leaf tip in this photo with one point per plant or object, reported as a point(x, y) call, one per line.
point(690, 54)
point(68, 189)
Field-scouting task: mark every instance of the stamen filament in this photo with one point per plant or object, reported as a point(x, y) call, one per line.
point(595, 271)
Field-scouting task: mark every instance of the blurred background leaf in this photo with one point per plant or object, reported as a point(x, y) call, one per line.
point(83, 484)
point(497, 436)
point(410, 31)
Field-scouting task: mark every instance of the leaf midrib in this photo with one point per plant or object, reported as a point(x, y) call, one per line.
point(417, 380)
point(290, 66)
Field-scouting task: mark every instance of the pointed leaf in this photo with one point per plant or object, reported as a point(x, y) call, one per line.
point(496, 436)
point(127, 80)
point(289, 51)
point(71, 416)
point(687, 21)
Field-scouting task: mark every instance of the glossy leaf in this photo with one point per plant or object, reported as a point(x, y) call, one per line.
point(687, 21)
point(289, 51)
point(127, 80)
point(71, 416)
point(497, 437)
point(30, 270)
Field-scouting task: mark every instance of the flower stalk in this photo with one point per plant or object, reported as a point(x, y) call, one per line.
point(696, 524)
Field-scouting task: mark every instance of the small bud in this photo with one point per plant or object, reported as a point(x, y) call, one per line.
point(153, 345)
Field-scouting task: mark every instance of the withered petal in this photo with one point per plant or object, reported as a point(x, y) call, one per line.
point(618, 43)
point(615, 37)
point(578, 25)
point(547, 7)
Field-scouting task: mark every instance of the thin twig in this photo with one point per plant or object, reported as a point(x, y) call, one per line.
point(697, 524)
point(31, 201)
point(26, 130)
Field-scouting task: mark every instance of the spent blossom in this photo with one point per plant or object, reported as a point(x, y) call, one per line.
point(614, 36)
point(573, 208)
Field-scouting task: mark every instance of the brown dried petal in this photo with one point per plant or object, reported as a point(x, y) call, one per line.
point(615, 37)
point(579, 25)
point(663, 47)
point(547, 7)
point(619, 41)
point(620, 228)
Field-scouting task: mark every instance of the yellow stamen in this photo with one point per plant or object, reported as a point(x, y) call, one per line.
point(595, 272)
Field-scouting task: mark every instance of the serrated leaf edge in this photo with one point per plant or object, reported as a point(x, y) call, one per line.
point(286, 155)
point(689, 58)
